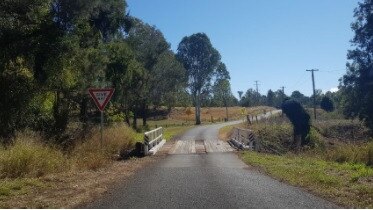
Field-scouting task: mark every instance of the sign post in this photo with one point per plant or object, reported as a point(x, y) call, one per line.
point(101, 97)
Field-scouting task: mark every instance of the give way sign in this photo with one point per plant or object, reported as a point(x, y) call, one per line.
point(101, 96)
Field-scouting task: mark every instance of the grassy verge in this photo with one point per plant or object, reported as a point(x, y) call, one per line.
point(337, 163)
point(171, 132)
point(348, 184)
point(25, 164)
point(37, 175)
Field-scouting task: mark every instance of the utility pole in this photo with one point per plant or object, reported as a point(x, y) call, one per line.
point(314, 91)
point(257, 92)
point(282, 98)
point(283, 93)
point(256, 84)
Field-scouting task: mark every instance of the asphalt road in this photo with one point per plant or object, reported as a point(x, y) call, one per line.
point(205, 180)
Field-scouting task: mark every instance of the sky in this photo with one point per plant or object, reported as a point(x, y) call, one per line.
point(270, 41)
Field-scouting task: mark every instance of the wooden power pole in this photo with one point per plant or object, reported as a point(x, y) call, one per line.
point(256, 84)
point(283, 93)
point(257, 92)
point(314, 91)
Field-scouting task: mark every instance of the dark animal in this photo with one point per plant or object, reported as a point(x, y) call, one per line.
point(300, 120)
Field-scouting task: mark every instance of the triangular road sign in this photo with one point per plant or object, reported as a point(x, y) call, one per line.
point(101, 96)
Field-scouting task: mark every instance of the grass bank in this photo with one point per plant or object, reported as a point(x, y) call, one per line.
point(347, 184)
point(337, 163)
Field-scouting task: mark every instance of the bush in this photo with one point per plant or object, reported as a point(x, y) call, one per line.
point(351, 154)
point(114, 115)
point(275, 137)
point(315, 139)
point(327, 104)
point(342, 129)
point(91, 155)
point(370, 154)
point(28, 157)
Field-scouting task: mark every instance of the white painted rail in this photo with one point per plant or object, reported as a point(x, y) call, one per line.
point(153, 140)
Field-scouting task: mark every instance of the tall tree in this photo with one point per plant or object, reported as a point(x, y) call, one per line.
point(327, 104)
point(168, 79)
point(357, 83)
point(148, 44)
point(201, 60)
point(240, 92)
point(270, 98)
point(223, 94)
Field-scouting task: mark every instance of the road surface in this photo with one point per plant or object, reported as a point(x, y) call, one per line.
point(202, 172)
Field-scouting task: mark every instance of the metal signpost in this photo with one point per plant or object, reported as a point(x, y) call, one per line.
point(101, 97)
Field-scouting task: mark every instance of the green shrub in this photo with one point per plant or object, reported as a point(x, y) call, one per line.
point(342, 129)
point(370, 154)
point(113, 115)
point(315, 139)
point(351, 153)
point(276, 137)
point(30, 158)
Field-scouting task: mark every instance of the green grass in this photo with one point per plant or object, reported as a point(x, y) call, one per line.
point(348, 184)
point(171, 132)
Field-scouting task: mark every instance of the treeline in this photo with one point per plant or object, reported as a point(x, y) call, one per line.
point(52, 51)
point(329, 100)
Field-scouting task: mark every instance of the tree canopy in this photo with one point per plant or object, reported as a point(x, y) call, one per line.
point(357, 84)
point(201, 61)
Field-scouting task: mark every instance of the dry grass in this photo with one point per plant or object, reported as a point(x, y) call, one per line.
point(216, 114)
point(70, 189)
point(25, 164)
point(29, 157)
point(40, 176)
point(92, 155)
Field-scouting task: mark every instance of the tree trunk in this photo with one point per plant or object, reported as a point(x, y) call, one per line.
point(127, 118)
point(198, 109)
point(134, 124)
point(144, 114)
point(83, 115)
point(83, 110)
point(226, 110)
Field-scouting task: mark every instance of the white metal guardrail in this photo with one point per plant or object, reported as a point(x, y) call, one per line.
point(153, 140)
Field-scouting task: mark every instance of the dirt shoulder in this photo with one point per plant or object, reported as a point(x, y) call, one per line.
point(72, 189)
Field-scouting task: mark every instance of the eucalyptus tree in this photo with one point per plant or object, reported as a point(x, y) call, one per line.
point(357, 84)
point(168, 78)
point(201, 61)
point(222, 87)
point(58, 45)
point(270, 98)
point(148, 44)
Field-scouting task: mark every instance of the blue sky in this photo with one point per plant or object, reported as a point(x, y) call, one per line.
point(273, 41)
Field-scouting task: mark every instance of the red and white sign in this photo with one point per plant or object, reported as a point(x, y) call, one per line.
point(101, 96)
